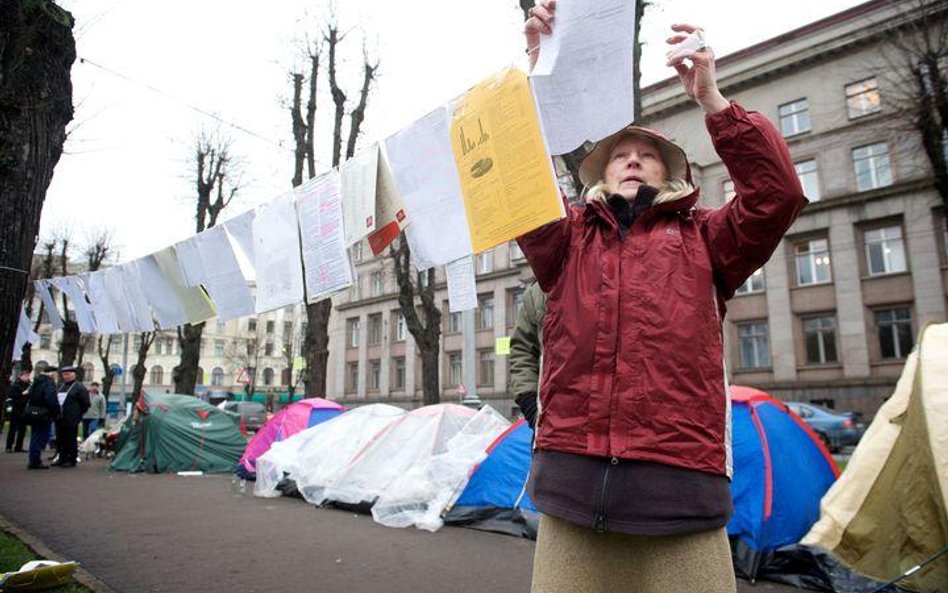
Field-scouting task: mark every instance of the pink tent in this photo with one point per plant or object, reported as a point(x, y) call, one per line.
point(288, 421)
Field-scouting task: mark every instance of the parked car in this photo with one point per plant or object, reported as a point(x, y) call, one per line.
point(837, 429)
point(253, 414)
point(215, 398)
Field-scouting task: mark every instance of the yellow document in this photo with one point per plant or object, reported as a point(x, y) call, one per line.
point(195, 303)
point(502, 346)
point(507, 177)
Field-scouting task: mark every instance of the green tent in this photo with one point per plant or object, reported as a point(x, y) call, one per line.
point(179, 433)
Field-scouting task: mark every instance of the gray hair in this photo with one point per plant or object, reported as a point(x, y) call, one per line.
point(669, 191)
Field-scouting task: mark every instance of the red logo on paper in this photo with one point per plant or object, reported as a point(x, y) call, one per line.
point(400, 215)
point(368, 222)
point(204, 414)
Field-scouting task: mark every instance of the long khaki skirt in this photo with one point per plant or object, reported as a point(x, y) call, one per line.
point(573, 559)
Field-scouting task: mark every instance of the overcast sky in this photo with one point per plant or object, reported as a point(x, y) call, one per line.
point(152, 68)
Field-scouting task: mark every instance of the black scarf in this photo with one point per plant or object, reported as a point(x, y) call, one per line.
point(626, 211)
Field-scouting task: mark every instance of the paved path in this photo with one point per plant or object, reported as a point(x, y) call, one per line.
point(157, 533)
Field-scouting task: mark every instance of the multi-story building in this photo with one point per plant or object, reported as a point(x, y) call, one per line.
point(833, 314)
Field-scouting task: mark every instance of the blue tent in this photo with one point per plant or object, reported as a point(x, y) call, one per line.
point(781, 471)
point(495, 498)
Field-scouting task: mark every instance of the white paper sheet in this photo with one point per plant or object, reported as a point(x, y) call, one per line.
point(462, 289)
point(24, 334)
point(52, 312)
point(114, 282)
point(197, 305)
point(192, 266)
point(357, 188)
point(390, 215)
point(223, 279)
point(325, 258)
point(277, 255)
point(164, 303)
point(70, 285)
point(583, 77)
point(422, 162)
point(241, 229)
point(100, 303)
point(142, 317)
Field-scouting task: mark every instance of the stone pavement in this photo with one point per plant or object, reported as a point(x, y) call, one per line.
point(159, 533)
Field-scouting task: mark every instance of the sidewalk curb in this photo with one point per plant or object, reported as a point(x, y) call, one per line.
point(43, 551)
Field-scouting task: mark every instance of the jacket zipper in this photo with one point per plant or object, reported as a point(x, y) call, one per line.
point(601, 507)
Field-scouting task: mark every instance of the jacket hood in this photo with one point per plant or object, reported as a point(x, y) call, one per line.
point(590, 170)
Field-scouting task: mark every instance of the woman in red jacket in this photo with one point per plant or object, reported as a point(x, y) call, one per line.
point(632, 463)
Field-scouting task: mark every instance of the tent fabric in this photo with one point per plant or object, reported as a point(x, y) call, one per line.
point(409, 440)
point(496, 498)
point(888, 511)
point(781, 470)
point(313, 457)
point(420, 495)
point(176, 432)
point(285, 423)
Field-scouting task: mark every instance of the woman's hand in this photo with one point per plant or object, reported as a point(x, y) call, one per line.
point(699, 79)
point(540, 22)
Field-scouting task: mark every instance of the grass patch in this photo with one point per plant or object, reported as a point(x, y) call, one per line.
point(14, 554)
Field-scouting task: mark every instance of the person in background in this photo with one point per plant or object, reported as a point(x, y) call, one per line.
point(42, 396)
point(73, 399)
point(526, 346)
point(16, 396)
point(631, 468)
point(95, 415)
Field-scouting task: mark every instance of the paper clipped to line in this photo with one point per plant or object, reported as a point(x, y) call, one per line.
point(357, 188)
point(462, 289)
point(276, 250)
point(325, 259)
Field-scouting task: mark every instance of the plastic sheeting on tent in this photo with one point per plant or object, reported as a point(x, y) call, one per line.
point(410, 440)
point(421, 494)
point(285, 423)
point(496, 498)
point(313, 457)
point(887, 513)
point(781, 470)
point(175, 432)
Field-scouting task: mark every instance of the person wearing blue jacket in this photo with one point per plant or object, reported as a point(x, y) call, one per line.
point(42, 396)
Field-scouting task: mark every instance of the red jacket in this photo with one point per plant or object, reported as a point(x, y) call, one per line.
point(632, 354)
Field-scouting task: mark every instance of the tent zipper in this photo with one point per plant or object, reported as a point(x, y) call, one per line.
point(601, 507)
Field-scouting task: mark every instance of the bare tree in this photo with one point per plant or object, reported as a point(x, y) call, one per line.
point(425, 326)
point(145, 340)
point(216, 187)
point(108, 373)
point(71, 339)
point(37, 50)
point(916, 52)
point(316, 337)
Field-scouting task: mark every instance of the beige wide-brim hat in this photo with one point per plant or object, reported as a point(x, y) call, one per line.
point(592, 167)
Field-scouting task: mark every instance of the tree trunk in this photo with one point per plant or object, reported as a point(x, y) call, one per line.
point(139, 370)
point(37, 50)
point(431, 390)
point(69, 346)
point(316, 347)
point(189, 339)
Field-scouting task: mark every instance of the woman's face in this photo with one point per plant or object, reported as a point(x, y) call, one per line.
point(633, 162)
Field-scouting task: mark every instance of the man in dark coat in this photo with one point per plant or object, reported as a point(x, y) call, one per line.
point(16, 395)
point(42, 395)
point(74, 400)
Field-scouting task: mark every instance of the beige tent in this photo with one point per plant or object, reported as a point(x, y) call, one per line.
point(886, 513)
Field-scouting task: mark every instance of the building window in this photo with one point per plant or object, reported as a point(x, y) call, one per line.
point(806, 172)
point(398, 373)
point(221, 325)
point(375, 283)
point(355, 293)
point(755, 345)
point(268, 349)
point(895, 332)
point(375, 329)
point(516, 306)
point(218, 347)
point(375, 375)
point(287, 330)
point(353, 329)
point(754, 283)
point(873, 168)
point(45, 340)
point(820, 336)
point(454, 322)
point(727, 191)
point(794, 118)
point(401, 327)
point(217, 376)
point(885, 252)
point(813, 262)
point(485, 312)
point(270, 326)
point(424, 278)
point(485, 371)
point(268, 376)
point(200, 376)
point(357, 251)
point(455, 369)
point(252, 325)
point(352, 377)
point(157, 375)
point(485, 262)
point(862, 98)
point(515, 252)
